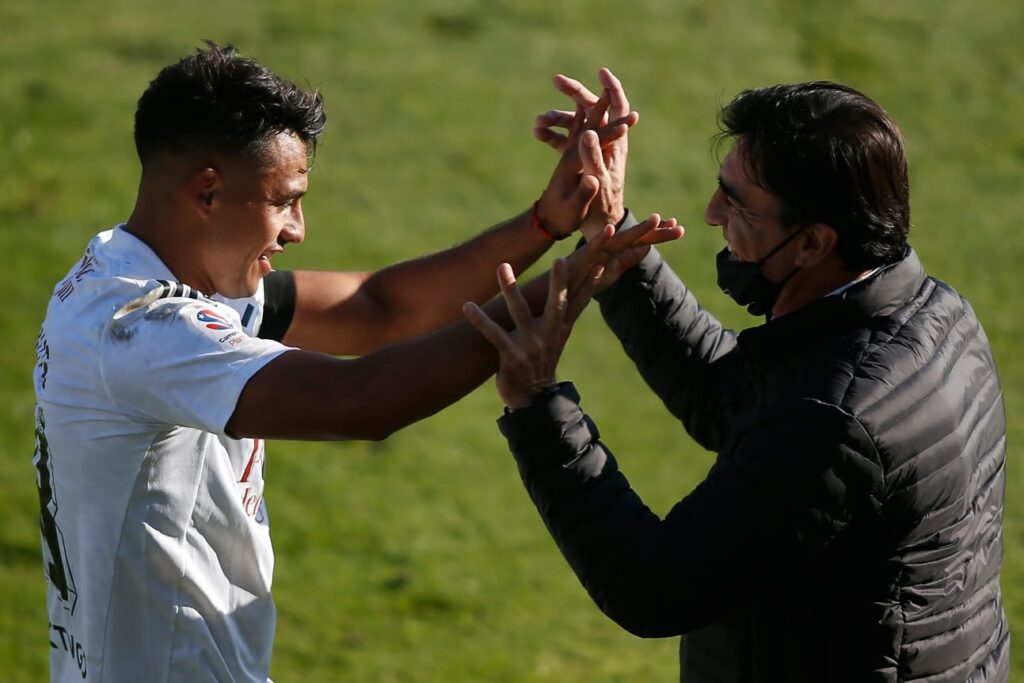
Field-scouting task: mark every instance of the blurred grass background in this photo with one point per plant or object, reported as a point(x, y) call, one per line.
point(420, 558)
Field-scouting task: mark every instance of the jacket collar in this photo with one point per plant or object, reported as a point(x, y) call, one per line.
point(881, 294)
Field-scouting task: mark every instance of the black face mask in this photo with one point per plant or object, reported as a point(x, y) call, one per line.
point(744, 282)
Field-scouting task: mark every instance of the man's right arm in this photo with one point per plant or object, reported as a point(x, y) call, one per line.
point(310, 395)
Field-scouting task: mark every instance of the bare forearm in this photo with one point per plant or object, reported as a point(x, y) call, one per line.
point(311, 396)
point(419, 377)
point(345, 313)
point(428, 292)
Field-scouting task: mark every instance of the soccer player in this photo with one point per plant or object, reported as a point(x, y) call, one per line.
point(170, 352)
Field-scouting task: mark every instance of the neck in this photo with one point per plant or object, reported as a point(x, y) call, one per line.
point(158, 221)
point(811, 284)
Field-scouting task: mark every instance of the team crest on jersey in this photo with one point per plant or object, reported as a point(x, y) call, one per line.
point(212, 321)
point(217, 325)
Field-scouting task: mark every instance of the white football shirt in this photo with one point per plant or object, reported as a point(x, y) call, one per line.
point(156, 542)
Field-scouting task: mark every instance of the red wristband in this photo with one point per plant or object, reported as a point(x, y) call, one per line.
point(539, 226)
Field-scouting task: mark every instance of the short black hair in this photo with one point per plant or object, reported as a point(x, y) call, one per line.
point(832, 155)
point(217, 101)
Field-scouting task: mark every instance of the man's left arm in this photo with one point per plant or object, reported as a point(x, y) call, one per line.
point(356, 313)
point(759, 517)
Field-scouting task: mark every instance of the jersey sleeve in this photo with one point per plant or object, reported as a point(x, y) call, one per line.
point(279, 304)
point(180, 361)
point(269, 311)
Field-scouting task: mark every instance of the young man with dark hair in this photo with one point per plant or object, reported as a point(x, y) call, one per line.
point(172, 350)
point(851, 526)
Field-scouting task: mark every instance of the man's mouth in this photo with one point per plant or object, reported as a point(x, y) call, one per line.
point(269, 253)
point(264, 262)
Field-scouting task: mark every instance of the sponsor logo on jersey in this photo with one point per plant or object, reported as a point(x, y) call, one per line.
point(212, 321)
point(69, 644)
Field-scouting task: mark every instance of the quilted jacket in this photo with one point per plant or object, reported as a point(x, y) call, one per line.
point(850, 527)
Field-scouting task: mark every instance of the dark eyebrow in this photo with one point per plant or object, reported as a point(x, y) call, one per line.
point(289, 196)
point(730, 191)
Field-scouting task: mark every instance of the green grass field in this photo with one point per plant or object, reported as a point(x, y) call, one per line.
point(421, 558)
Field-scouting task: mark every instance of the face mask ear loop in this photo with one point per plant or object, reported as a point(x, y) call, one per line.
point(780, 245)
point(783, 243)
point(782, 284)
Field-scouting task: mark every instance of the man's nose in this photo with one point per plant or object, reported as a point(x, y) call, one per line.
point(714, 214)
point(295, 231)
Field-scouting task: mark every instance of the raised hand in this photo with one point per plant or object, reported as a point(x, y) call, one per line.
point(617, 252)
point(600, 155)
point(574, 185)
point(528, 354)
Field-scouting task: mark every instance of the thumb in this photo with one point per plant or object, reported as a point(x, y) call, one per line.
point(586, 191)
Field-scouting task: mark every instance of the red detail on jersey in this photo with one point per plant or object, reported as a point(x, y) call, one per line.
point(252, 459)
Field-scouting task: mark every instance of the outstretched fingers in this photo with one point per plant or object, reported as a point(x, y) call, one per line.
point(556, 141)
point(617, 96)
point(607, 134)
point(575, 91)
point(492, 331)
point(516, 304)
point(558, 298)
point(579, 120)
point(597, 115)
point(654, 230)
point(627, 238)
point(555, 118)
point(664, 231)
point(571, 121)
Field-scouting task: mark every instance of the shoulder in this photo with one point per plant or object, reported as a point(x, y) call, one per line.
point(925, 380)
point(914, 349)
point(165, 309)
point(176, 357)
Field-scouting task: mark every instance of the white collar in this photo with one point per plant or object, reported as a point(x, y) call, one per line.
point(138, 259)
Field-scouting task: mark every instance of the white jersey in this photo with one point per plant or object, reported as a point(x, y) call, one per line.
point(156, 542)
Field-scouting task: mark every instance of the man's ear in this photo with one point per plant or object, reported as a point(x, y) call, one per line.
point(204, 190)
point(818, 242)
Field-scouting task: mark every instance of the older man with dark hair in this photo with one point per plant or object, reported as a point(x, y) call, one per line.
point(851, 526)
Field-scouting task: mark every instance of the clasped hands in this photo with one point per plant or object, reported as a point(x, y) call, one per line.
point(588, 182)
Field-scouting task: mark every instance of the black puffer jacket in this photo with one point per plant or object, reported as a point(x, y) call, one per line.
point(850, 528)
